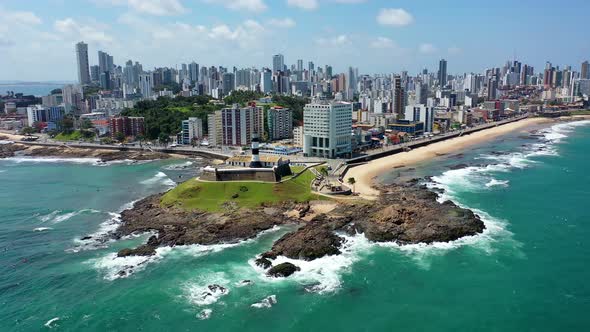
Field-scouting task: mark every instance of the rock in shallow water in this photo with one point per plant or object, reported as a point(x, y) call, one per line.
point(283, 270)
point(266, 303)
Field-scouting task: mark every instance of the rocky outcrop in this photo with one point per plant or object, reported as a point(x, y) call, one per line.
point(406, 214)
point(9, 150)
point(282, 270)
point(103, 155)
point(175, 226)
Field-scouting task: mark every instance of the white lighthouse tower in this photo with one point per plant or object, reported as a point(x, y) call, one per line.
point(255, 163)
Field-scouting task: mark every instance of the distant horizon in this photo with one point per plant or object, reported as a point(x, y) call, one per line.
point(367, 34)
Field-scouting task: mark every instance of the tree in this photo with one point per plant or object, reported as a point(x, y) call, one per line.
point(56, 91)
point(86, 124)
point(119, 136)
point(67, 124)
point(28, 131)
point(351, 181)
point(163, 138)
point(324, 171)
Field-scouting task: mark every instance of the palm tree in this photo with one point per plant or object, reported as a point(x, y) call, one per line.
point(351, 181)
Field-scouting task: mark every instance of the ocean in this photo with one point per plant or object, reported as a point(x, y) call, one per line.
point(527, 272)
point(35, 89)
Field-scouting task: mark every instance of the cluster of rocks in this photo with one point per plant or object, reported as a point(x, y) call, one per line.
point(405, 214)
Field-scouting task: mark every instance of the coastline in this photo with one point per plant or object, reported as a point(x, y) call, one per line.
point(365, 175)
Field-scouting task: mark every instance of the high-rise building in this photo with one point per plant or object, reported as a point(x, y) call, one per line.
point(266, 81)
point(238, 125)
point(83, 66)
point(128, 126)
point(146, 85)
point(585, 70)
point(228, 83)
point(103, 61)
point(214, 129)
point(398, 102)
point(442, 73)
point(278, 63)
point(193, 69)
point(327, 129)
point(95, 73)
point(192, 129)
point(280, 123)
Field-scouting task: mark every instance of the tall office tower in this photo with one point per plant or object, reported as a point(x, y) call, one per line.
point(83, 67)
point(442, 73)
point(398, 96)
point(146, 84)
point(492, 89)
point(326, 129)
point(228, 83)
point(328, 72)
point(94, 73)
point(266, 81)
point(278, 63)
point(103, 59)
point(129, 73)
point(299, 65)
point(585, 71)
point(110, 63)
point(311, 67)
point(193, 69)
point(421, 93)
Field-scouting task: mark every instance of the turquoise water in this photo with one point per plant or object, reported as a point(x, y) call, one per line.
point(527, 272)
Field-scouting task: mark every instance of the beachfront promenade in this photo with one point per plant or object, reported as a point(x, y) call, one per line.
point(398, 148)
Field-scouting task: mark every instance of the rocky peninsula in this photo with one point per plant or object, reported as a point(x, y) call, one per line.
point(104, 155)
point(404, 213)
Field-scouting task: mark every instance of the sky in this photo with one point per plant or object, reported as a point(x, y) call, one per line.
point(37, 37)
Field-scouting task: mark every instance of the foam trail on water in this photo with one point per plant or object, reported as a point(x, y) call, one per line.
point(57, 217)
point(54, 160)
point(177, 167)
point(159, 178)
point(494, 183)
point(42, 229)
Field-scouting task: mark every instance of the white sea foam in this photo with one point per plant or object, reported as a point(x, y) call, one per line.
point(205, 314)
point(559, 131)
point(323, 273)
point(42, 229)
point(53, 160)
point(57, 216)
point(159, 178)
point(266, 302)
point(177, 167)
point(50, 323)
point(207, 289)
point(495, 183)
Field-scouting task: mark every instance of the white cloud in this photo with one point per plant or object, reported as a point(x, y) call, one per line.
point(282, 22)
point(454, 50)
point(427, 48)
point(339, 40)
point(382, 43)
point(151, 7)
point(304, 4)
point(19, 17)
point(248, 5)
point(394, 17)
point(71, 29)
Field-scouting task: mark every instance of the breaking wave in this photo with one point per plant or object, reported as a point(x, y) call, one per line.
point(160, 178)
point(179, 167)
point(58, 216)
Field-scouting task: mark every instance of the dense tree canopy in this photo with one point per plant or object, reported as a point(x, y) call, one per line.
point(296, 104)
point(242, 97)
point(163, 117)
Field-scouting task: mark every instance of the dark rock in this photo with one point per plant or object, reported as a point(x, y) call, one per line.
point(86, 238)
point(283, 270)
point(458, 166)
point(263, 262)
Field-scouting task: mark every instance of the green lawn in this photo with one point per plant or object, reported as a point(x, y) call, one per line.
point(582, 112)
point(209, 196)
point(73, 136)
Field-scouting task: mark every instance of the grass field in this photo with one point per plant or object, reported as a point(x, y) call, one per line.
point(582, 112)
point(210, 196)
point(74, 136)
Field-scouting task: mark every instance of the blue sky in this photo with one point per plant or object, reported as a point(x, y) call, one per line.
point(378, 36)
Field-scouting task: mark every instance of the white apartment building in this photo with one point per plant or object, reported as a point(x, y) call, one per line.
point(420, 113)
point(192, 129)
point(298, 136)
point(327, 129)
point(235, 126)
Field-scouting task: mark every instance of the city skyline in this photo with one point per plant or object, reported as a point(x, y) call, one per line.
point(387, 38)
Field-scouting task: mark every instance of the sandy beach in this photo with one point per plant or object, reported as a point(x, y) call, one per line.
point(365, 174)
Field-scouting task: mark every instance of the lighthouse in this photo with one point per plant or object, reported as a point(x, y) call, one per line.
point(255, 163)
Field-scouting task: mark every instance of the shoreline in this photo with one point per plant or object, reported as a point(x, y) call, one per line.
point(365, 175)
